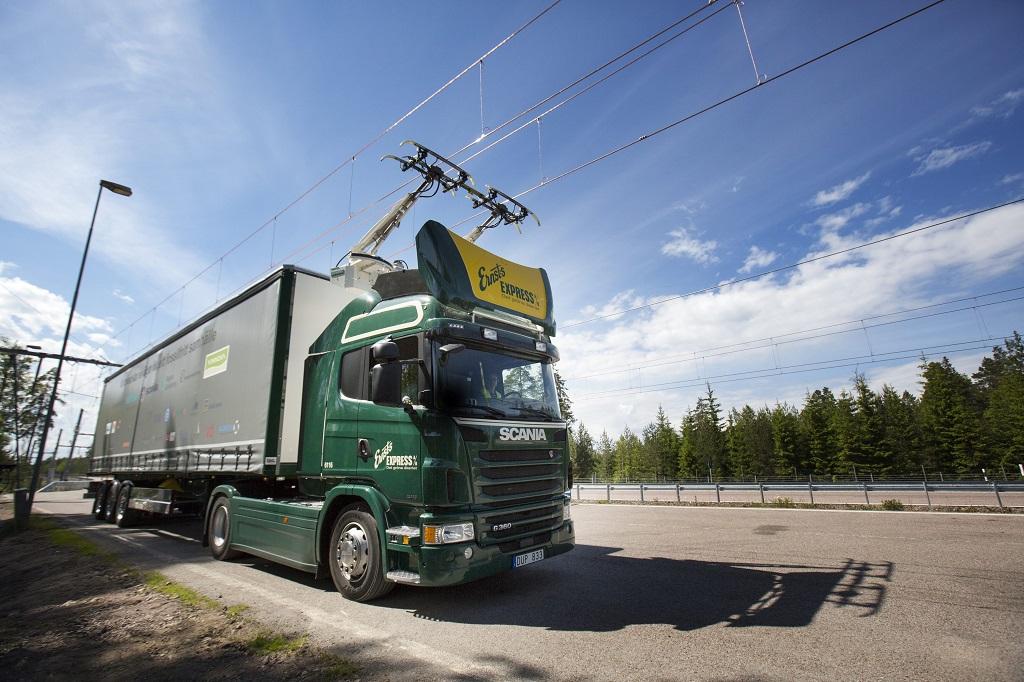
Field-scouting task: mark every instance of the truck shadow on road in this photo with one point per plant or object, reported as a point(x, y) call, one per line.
point(610, 592)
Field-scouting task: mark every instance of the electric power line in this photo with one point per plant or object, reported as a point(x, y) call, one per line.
point(801, 368)
point(773, 271)
point(310, 242)
point(774, 342)
point(348, 160)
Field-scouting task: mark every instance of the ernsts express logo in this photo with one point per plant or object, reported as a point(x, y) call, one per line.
point(515, 433)
point(384, 456)
point(495, 276)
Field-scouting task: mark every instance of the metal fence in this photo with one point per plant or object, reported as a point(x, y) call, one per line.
point(958, 494)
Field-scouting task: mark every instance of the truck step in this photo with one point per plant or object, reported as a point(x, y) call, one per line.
point(405, 577)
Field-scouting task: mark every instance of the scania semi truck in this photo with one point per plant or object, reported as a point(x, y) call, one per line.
point(382, 425)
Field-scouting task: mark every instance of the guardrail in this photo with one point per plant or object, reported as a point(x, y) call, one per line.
point(962, 494)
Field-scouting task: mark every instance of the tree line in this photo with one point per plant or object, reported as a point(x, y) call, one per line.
point(24, 395)
point(961, 425)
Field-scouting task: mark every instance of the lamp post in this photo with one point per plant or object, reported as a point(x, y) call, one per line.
point(116, 189)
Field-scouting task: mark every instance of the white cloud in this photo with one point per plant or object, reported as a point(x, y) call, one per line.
point(839, 219)
point(63, 132)
point(30, 314)
point(758, 258)
point(840, 192)
point(1013, 179)
point(119, 295)
point(1003, 106)
point(686, 244)
point(944, 157)
point(749, 323)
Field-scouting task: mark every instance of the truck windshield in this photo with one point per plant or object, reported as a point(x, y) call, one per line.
point(488, 384)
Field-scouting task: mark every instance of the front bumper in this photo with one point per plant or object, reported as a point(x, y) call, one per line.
point(447, 564)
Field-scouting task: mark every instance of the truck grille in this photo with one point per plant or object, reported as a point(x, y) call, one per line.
point(516, 487)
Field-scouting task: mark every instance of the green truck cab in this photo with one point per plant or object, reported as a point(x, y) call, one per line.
point(396, 427)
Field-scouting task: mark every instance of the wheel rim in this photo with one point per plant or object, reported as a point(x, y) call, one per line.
point(219, 527)
point(352, 552)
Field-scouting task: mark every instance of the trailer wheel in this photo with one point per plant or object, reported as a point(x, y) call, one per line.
point(110, 504)
point(219, 531)
point(123, 516)
point(356, 558)
point(99, 505)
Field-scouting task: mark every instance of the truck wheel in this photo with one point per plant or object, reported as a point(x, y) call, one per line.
point(219, 531)
point(110, 504)
point(99, 505)
point(356, 562)
point(123, 516)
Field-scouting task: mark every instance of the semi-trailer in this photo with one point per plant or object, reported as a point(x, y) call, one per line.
point(381, 425)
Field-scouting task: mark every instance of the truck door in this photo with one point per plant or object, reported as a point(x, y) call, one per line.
point(391, 437)
point(341, 446)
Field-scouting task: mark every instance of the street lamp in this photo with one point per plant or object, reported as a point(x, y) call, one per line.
point(116, 189)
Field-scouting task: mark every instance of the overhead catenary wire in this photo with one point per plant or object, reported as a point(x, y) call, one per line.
point(791, 266)
point(800, 368)
point(353, 214)
point(773, 341)
point(352, 157)
point(496, 129)
point(711, 107)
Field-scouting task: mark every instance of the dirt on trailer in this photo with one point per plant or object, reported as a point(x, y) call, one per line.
point(69, 610)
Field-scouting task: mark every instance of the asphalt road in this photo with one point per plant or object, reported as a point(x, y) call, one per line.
point(663, 593)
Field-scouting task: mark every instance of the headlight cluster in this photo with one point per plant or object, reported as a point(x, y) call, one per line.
point(443, 535)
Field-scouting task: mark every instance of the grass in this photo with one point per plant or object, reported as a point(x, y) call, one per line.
point(892, 505)
point(784, 502)
point(186, 595)
point(235, 612)
point(274, 643)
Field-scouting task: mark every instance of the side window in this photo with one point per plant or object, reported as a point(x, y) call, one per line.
point(353, 380)
point(409, 349)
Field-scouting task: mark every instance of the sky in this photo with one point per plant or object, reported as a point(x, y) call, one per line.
point(236, 125)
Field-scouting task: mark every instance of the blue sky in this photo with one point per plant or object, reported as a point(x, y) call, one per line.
point(220, 114)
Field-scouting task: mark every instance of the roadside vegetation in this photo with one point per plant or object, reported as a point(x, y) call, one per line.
point(959, 426)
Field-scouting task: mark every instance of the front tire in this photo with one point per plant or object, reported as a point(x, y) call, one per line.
point(356, 559)
point(218, 530)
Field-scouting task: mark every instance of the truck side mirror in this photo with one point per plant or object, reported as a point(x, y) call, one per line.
point(386, 383)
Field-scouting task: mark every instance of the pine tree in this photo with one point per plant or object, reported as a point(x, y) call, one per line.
point(868, 425)
point(790, 447)
point(750, 442)
point(899, 450)
point(688, 466)
point(584, 461)
point(605, 457)
point(564, 401)
point(664, 447)
point(949, 419)
point(818, 423)
point(999, 384)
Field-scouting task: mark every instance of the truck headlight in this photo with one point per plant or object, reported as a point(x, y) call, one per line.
point(453, 532)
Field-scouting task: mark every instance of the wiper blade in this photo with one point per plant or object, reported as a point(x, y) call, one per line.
point(486, 408)
point(539, 413)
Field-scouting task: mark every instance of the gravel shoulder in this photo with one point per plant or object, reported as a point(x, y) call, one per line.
point(71, 610)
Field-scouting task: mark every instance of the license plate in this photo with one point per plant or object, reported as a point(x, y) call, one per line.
point(528, 558)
